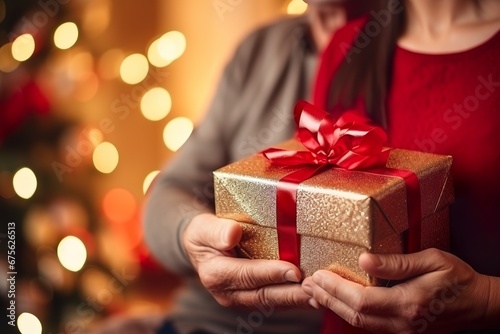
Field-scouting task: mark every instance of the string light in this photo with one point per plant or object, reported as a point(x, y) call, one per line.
point(66, 35)
point(148, 180)
point(27, 323)
point(134, 68)
point(72, 253)
point(176, 132)
point(296, 7)
point(156, 104)
point(105, 157)
point(23, 47)
point(24, 182)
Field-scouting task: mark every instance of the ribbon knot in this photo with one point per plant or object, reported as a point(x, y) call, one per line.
point(351, 142)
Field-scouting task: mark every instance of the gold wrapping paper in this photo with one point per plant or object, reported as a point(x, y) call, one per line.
point(340, 214)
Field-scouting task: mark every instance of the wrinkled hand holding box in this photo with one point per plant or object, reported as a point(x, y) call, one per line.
point(346, 194)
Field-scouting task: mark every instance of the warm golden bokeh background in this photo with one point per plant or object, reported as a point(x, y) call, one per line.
point(119, 84)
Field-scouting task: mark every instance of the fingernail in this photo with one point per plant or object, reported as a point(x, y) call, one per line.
point(291, 276)
point(313, 303)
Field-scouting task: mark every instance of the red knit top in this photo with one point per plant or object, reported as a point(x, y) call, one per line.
point(446, 104)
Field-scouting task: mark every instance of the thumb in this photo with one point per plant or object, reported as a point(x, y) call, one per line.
point(402, 266)
point(211, 231)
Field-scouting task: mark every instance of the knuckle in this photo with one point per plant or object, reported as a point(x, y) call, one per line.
point(211, 280)
point(413, 313)
point(326, 301)
point(244, 275)
point(435, 254)
point(360, 305)
point(262, 297)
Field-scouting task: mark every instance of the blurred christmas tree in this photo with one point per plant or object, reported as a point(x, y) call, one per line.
point(46, 180)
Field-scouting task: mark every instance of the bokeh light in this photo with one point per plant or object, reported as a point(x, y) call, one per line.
point(23, 47)
point(171, 45)
point(24, 182)
point(134, 68)
point(119, 205)
point(7, 61)
point(109, 64)
point(50, 268)
point(72, 253)
point(148, 180)
point(96, 17)
point(296, 7)
point(40, 228)
point(87, 87)
point(66, 35)
point(105, 157)
point(176, 132)
point(155, 57)
point(156, 104)
point(80, 64)
point(27, 323)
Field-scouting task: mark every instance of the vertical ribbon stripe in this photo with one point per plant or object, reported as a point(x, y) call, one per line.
point(286, 212)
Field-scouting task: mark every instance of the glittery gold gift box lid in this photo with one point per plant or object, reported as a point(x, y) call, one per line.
point(337, 204)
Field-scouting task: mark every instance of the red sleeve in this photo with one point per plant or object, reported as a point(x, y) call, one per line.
point(332, 57)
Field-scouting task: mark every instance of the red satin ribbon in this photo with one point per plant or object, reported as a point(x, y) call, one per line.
point(350, 143)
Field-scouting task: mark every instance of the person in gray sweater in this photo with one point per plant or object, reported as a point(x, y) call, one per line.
point(251, 110)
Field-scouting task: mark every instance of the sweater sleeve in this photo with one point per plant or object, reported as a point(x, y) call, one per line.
point(258, 86)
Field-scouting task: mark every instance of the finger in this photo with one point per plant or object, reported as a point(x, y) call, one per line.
point(276, 296)
point(366, 300)
point(402, 266)
point(217, 233)
point(229, 273)
point(372, 322)
point(307, 284)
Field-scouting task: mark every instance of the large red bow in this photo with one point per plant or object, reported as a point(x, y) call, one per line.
point(349, 143)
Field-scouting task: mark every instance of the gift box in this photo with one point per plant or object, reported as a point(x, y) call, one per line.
point(333, 211)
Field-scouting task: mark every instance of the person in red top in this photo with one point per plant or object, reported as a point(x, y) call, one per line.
point(429, 72)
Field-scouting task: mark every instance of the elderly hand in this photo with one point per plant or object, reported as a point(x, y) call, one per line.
point(209, 242)
point(441, 294)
